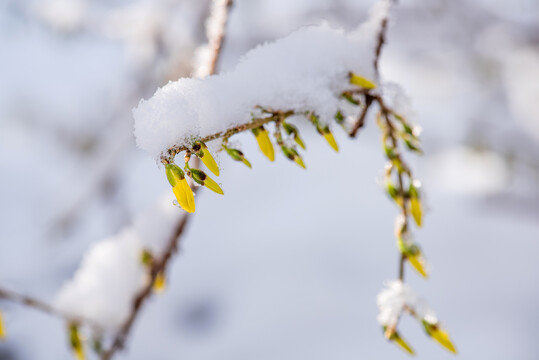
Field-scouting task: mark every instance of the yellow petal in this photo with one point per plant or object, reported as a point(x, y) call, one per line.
point(418, 262)
point(185, 196)
point(265, 145)
point(2, 328)
point(403, 344)
point(209, 161)
point(212, 185)
point(361, 81)
point(442, 338)
point(159, 283)
point(331, 141)
point(415, 209)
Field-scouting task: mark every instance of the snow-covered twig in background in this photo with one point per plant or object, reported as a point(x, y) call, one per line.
point(216, 34)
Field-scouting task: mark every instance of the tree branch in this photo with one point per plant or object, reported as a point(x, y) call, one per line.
point(42, 306)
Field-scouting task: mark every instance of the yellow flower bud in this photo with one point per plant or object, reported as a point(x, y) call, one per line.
point(237, 155)
point(391, 334)
point(2, 328)
point(293, 155)
point(439, 335)
point(331, 140)
point(415, 203)
point(264, 142)
point(361, 81)
point(200, 177)
point(160, 282)
point(292, 130)
point(75, 341)
point(413, 254)
point(325, 132)
point(418, 263)
point(180, 188)
point(201, 151)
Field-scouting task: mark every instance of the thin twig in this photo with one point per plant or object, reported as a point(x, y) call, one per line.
point(42, 306)
point(378, 51)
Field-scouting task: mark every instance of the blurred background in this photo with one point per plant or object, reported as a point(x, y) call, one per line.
point(288, 263)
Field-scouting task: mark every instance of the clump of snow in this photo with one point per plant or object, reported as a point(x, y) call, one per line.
point(397, 297)
point(112, 273)
point(305, 71)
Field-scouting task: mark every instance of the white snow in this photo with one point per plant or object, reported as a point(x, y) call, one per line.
point(395, 298)
point(111, 273)
point(305, 71)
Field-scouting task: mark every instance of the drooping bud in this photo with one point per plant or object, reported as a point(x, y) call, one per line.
point(237, 155)
point(180, 187)
point(159, 283)
point(264, 142)
point(435, 331)
point(2, 328)
point(146, 258)
point(395, 337)
point(292, 130)
point(325, 132)
point(413, 254)
point(75, 341)
point(293, 155)
point(201, 151)
point(361, 81)
point(339, 118)
point(200, 177)
point(348, 97)
point(415, 202)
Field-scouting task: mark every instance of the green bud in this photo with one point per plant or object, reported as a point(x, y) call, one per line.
point(237, 155)
point(146, 258)
point(339, 117)
point(411, 146)
point(174, 172)
point(198, 175)
point(390, 152)
point(350, 99)
point(392, 190)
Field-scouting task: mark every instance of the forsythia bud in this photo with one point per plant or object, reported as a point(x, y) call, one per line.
point(395, 336)
point(237, 155)
point(413, 255)
point(293, 155)
point(439, 335)
point(200, 177)
point(159, 283)
point(361, 81)
point(181, 189)
point(264, 142)
point(201, 151)
point(292, 130)
point(76, 341)
point(325, 132)
point(415, 203)
point(2, 328)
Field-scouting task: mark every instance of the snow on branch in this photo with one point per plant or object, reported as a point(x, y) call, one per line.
point(306, 71)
